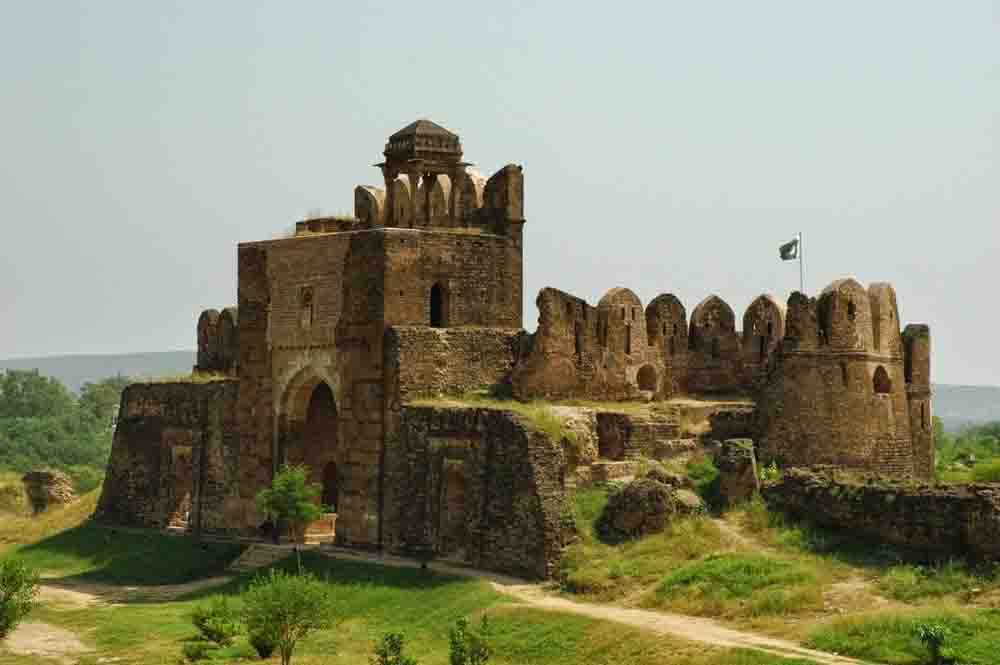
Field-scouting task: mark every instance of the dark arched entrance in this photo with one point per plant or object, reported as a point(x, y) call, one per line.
point(647, 378)
point(439, 307)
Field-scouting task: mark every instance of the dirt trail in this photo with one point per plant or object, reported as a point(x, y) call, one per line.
point(695, 629)
point(78, 593)
point(34, 638)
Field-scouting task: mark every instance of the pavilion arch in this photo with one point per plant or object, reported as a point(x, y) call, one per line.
point(881, 383)
point(402, 205)
point(369, 205)
point(440, 194)
point(469, 193)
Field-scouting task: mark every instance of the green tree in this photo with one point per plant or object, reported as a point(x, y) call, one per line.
point(286, 608)
point(390, 651)
point(290, 498)
point(18, 588)
point(28, 394)
point(468, 646)
point(101, 399)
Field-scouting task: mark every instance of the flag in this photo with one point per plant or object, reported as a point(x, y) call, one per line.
point(790, 250)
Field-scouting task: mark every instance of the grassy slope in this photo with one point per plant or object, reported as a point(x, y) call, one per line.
point(373, 600)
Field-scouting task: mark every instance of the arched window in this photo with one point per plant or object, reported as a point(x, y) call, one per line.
point(852, 310)
point(439, 307)
point(628, 339)
point(881, 381)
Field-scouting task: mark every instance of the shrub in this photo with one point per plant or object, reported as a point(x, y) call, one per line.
point(263, 643)
point(290, 498)
point(18, 588)
point(198, 649)
point(85, 478)
point(217, 620)
point(287, 607)
point(704, 476)
point(390, 651)
point(933, 636)
point(467, 646)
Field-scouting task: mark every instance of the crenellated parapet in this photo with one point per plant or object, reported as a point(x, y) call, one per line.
point(218, 341)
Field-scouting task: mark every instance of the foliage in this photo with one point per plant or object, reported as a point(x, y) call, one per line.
point(770, 473)
point(705, 477)
point(893, 637)
point(263, 643)
point(290, 497)
point(539, 416)
point(971, 455)
point(195, 650)
point(287, 607)
point(217, 620)
point(910, 583)
point(390, 651)
point(933, 636)
point(43, 425)
point(18, 588)
point(467, 646)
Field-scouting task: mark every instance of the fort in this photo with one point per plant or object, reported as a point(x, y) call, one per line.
point(347, 334)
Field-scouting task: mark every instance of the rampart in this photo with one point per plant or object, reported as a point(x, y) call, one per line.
point(930, 522)
point(174, 457)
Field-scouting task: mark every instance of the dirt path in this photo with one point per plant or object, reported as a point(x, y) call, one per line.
point(695, 629)
point(33, 638)
point(85, 594)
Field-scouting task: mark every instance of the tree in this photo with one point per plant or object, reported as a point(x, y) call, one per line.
point(18, 588)
point(290, 498)
point(28, 394)
point(286, 608)
point(467, 646)
point(390, 651)
point(101, 400)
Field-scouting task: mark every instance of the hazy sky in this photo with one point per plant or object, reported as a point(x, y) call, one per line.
point(667, 147)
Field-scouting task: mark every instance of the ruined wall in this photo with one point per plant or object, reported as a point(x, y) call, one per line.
point(174, 458)
point(478, 486)
point(422, 361)
point(837, 392)
point(933, 522)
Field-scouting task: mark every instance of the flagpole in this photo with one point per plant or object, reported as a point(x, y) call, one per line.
point(802, 269)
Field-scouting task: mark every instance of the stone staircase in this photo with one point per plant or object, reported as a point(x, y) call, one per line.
point(260, 555)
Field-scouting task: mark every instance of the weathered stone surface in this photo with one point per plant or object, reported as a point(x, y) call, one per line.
point(932, 522)
point(738, 477)
point(688, 503)
point(669, 478)
point(47, 488)
point(639, 508)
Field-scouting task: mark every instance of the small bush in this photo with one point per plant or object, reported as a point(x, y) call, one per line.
point(263, 643)
point(287, 607)
point(196, 650)
point(390, 651)
point(987, 472)
point(18, 588)
point(704, 476)
point(217, 620)
point(933, 636)
point(85, 478)
point(468, 646)
point(640, 508)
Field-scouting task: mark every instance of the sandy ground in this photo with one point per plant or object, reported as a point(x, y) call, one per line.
point(33, 638)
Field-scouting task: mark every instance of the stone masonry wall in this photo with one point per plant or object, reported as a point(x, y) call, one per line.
point(476, 485)
point(932, 522)
point(433, 361)
point(174, 457)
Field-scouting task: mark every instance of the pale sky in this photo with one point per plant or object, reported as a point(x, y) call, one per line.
point(667, 147)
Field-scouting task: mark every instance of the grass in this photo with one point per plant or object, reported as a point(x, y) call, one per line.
point(741, 585)
point(192, 377)
point(373, 600)
point(890, 637)
point(538, 415)
point(987, 472)
point(63, 543)
point(910, 583)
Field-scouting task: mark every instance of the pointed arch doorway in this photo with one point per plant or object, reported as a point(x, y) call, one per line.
point(315, 447)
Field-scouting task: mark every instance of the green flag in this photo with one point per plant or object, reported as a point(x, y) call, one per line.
point(790, 250)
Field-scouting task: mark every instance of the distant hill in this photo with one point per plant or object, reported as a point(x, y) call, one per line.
point(75, 370)
point(959, 406)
